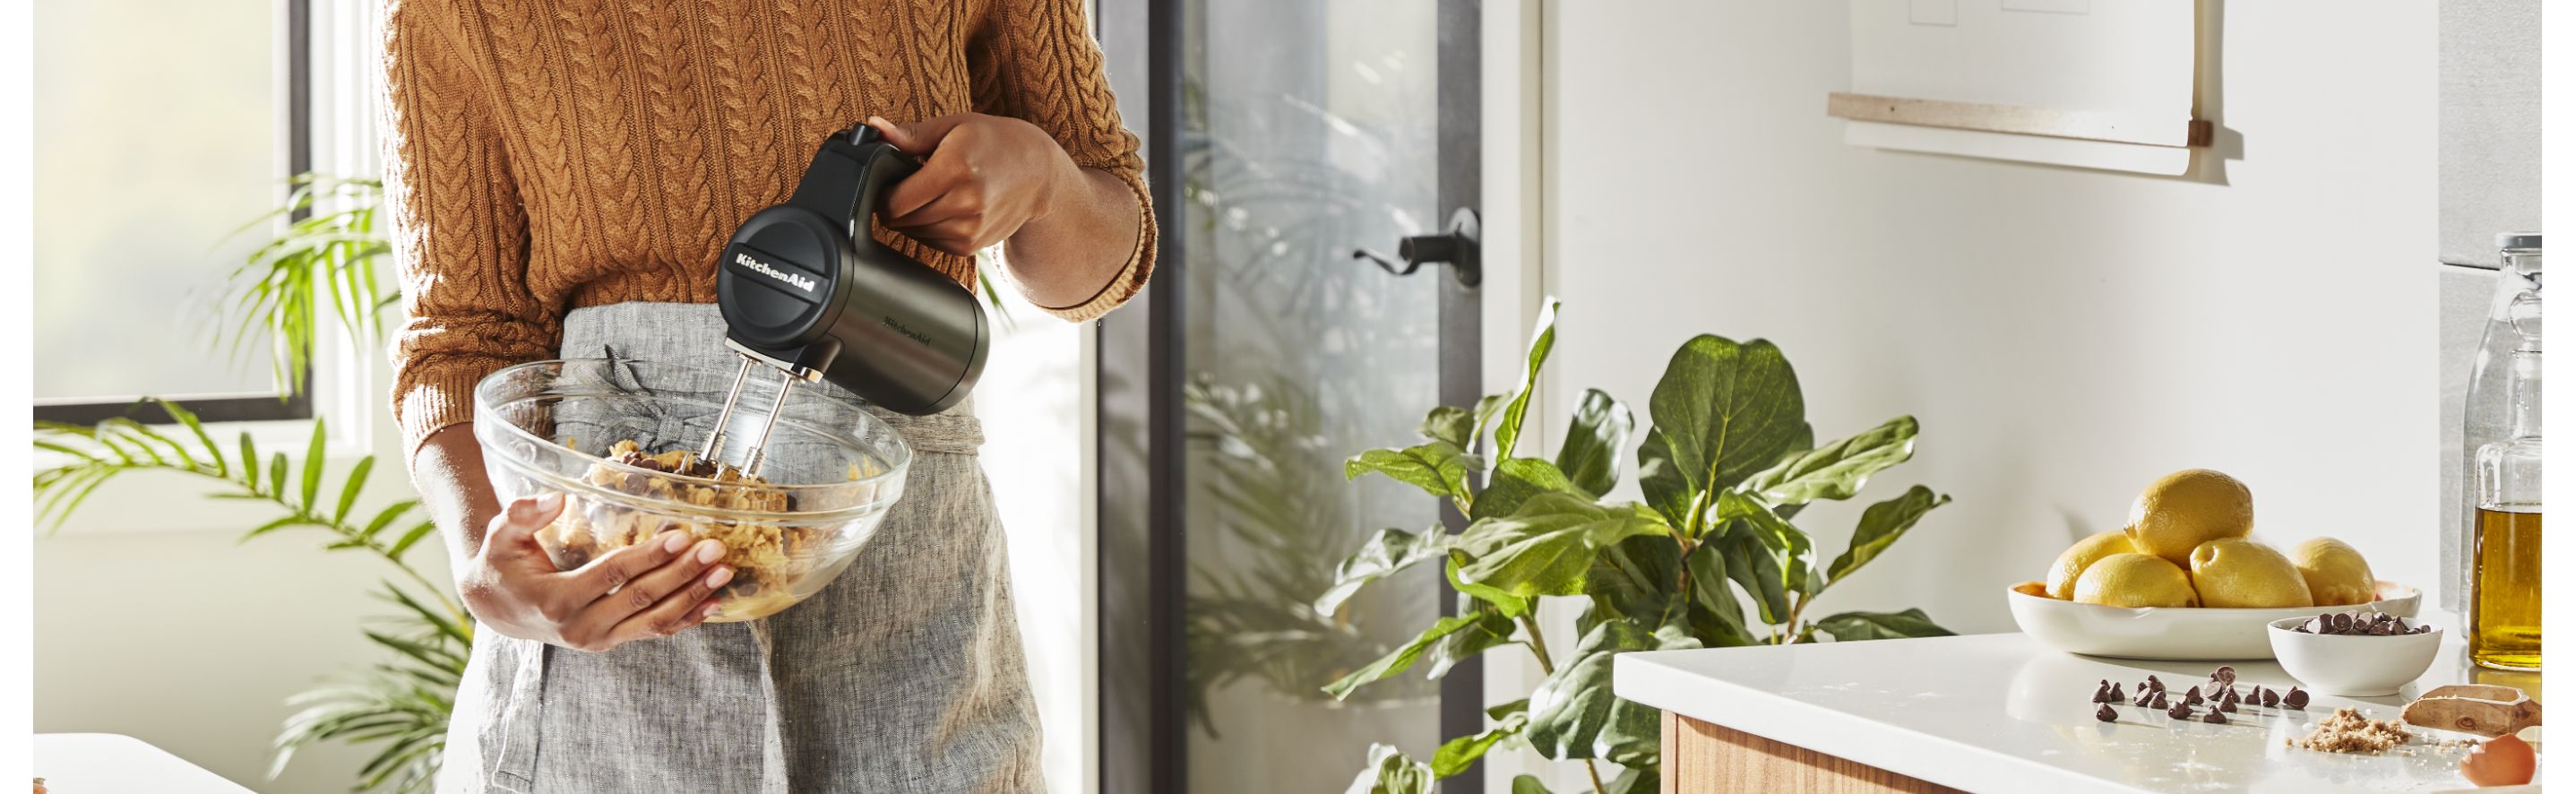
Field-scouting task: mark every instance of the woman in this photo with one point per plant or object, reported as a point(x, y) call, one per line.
point(562, 174)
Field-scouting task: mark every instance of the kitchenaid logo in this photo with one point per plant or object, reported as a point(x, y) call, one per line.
point(898, 328)
point(797, 280)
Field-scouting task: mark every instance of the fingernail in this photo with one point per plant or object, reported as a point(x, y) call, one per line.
point(877, 121)
point(711, 610)
point(549, 501)
point(710, 551)
point(674, 541)
point(719, 577)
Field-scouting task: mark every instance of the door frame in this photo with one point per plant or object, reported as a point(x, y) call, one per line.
point(1138, 373)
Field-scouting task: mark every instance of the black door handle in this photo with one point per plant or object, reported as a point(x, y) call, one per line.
point(1458, 248)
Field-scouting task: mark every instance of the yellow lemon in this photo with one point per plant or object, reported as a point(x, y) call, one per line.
point(2235, 572)
point(2182, 510)
point(2130, 579)
point(2082, 555)
point(2335, 572)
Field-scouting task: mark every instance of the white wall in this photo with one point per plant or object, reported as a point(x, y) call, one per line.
point(2065, 336)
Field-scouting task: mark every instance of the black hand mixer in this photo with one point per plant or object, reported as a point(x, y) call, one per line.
point(805, 290)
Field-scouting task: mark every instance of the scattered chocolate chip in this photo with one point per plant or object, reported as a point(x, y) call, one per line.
point(2271, 698)
point(2297, 699)
point(2191, 696)
point(2115, 695)
point(2144, 697)
point(2154, 684)
point(2224, 673)
point(2230, 698)
point(2159, 701)
point(2105, 714)
point(2214, 718)
point(2102, 693)
point(2180, 711)
point(2229, 707)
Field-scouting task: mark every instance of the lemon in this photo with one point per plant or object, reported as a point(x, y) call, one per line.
point(2082, 555)
point(2335, 572)
point(2182, 510)
point(2235, 572)
point(2130, 579)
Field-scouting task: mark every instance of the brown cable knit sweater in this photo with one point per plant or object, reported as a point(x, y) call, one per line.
point(543, 155)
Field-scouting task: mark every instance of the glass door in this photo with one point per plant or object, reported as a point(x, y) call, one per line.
point(1290, 145)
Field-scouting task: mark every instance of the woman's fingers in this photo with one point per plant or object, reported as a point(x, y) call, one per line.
point(676, 612)
point(647, 589)
point(618, 567)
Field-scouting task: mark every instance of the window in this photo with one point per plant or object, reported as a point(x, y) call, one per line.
point(161, 126)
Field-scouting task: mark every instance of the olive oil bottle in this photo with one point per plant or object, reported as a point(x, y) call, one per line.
point(2504, 594)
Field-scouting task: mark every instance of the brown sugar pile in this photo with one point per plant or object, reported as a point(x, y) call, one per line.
point(2349, 732)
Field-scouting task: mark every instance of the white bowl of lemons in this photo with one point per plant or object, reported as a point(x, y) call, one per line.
point(2185, 580)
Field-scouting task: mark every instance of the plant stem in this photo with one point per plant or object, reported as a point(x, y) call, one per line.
point(1588, 769)
point(1538, 642)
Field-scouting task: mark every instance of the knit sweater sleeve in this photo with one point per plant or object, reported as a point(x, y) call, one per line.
point(1036, 60)
point(460, 231)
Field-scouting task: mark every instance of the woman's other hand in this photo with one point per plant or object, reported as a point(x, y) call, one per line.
point(982, 178)
point(645, 591)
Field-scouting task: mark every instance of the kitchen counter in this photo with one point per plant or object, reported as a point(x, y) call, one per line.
point(1999, 712)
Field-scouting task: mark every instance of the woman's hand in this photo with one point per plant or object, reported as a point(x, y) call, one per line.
point(645, 591)
point(983, 177)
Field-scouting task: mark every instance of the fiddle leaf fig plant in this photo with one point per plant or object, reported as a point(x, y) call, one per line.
point(1711, 557)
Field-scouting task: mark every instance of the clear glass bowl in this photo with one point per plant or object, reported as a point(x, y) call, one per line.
point(831, 469)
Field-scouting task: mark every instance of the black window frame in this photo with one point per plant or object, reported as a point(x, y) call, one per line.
point(298, 402)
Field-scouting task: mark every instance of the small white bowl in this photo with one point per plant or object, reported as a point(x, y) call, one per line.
point(2352, 666)
point(2174, 633)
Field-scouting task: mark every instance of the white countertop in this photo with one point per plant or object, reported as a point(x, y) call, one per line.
point(1998, 712)
point(81, 763)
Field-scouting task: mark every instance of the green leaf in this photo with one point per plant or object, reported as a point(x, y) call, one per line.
point(1849, 626)
point(1457, 754)
point(385, 518)
point(1752, 565)
point(1385, 553)
point(1528, 784)
point(1510, 605)
point(1792, 552)
point(1590, 455)
point(410, 538)
point(1574, 714)
point(277, 474)
point(1661, 479)
point(1438, 468)
point(1390, 772)
point(313, 466)
point(1881, 525)
point(1715, 616)
point(1498, 711)
point(250, 463)
point(1508, 434)
point(1636, 780)
point(1837, 470)
point(1451, 424)
point(1401, 658)
point(272, 526)
point(1546, 547)
point(1637, 578)
point(1491, 629)
point(188, 419)
point(349, 492)
point(1515, 481)
point(1727, 410)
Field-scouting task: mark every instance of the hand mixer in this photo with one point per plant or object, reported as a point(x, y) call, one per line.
point(805, 290)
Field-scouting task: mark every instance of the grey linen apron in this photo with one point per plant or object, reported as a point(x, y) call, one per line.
point(905, 674)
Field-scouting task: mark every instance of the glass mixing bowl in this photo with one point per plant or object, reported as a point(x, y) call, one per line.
point(831, 470)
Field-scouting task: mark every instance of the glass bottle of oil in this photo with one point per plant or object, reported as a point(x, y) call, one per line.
point(2504, 594)
point(2485, 415)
